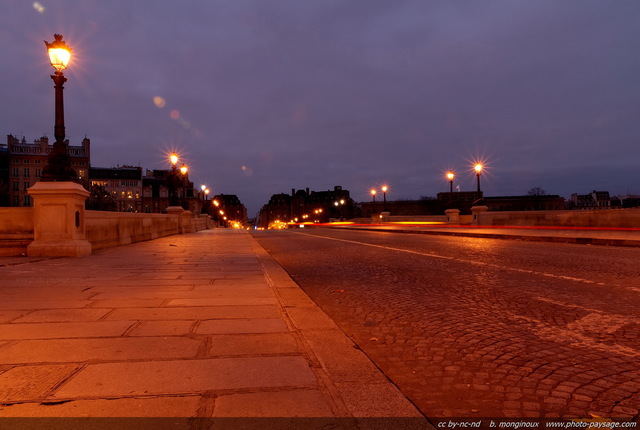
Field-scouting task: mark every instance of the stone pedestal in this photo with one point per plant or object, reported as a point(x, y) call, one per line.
point(58, 220)
point(187, 226)
point(384, 216)
point(178, 212)
point(477, 212)
point(453, 216)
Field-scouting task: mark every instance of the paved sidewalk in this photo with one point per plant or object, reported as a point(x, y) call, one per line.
point(197, 325)
point(579, 235)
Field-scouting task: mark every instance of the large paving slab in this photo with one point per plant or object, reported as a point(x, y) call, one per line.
point(187, 376)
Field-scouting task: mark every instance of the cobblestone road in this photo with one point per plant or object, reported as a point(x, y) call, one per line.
point(481, 327)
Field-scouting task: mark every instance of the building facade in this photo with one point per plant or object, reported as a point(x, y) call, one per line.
point(4, 175)
point(525, 203)
point(227, 210)
point(593, 200)
point(27, 160)
point(307, 206)
point(122, 184)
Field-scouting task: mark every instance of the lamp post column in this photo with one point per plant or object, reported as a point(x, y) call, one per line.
point(58, 200)
point(384, 197)
point(58, 166)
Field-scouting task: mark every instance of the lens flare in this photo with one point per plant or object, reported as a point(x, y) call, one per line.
point(160, 102)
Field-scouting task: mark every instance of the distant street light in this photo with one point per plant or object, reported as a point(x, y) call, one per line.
point(450, 176)
point(478, 169)
point(339, 205)
point(58, 166)
point(173, 191)
point(384, 196)
point(373, 195)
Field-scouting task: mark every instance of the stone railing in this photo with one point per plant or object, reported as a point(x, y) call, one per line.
point(16, 231)
point(601, 218)
point(59, 226)
point(107, 229)
point(385, 217)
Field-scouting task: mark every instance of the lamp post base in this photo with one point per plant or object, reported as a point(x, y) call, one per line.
point(58, 220)
point(178, 212)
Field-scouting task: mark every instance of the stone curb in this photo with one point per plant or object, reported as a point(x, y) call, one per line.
point(357, 387)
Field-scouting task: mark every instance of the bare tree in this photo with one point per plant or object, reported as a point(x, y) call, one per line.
point(536, 191)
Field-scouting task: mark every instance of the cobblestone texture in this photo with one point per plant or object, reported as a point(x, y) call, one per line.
point(481, 327)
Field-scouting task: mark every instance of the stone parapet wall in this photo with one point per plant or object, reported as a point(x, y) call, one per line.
point(106, 229)
point(16, 231)
point(407, 218)
point(103, 229)
point(201, 222)
point(603, 218)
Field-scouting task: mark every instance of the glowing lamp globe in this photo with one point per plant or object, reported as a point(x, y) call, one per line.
point(59, 53)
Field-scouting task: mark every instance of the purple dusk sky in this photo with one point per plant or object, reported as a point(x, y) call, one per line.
point(261, 96)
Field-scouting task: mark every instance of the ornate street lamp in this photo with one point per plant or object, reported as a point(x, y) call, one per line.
point(450, 176)
point(478, 169)
point(373, 195)
point(58, 166)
